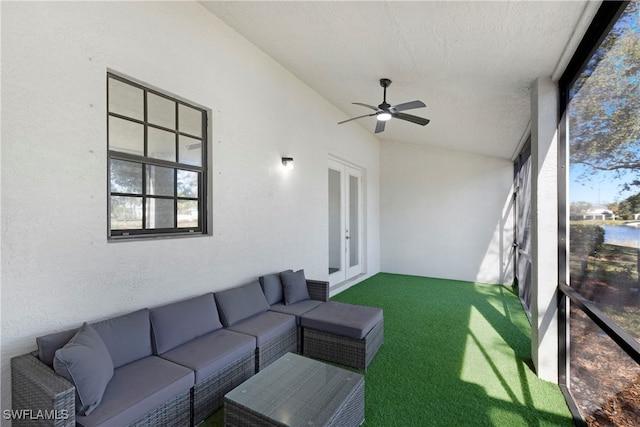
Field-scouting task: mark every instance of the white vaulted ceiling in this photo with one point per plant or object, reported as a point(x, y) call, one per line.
point(472, 62)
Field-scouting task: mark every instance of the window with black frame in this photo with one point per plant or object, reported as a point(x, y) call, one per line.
point(157, 162)
point(602, 116)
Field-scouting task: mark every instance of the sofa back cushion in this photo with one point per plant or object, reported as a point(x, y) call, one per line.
point(127, 337)
point(180, 322)
point(49, 344)
point(237, 304)
point(272, 287)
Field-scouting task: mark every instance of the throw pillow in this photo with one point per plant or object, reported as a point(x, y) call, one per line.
point(272, 287)
point(86, 363)
point(294, 285)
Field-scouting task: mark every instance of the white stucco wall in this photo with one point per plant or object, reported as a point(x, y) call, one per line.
point(57, 267)
point(446, 214)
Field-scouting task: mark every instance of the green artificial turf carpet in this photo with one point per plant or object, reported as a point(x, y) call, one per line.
point(454, 354)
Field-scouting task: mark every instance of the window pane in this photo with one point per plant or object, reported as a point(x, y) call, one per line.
point(160, 181)
point(187, 213)
point(126, 136)
point(161, 144)
point(126, 177)
point(161, 111)
point(187, 183)
point(160, 213)
point(190, 120)
point(126, 213)
point(126, 99)
point(190, 151)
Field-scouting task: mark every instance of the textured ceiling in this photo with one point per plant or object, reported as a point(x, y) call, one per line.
point(471, 62)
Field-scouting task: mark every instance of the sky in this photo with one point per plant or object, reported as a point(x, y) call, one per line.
point(598, 189)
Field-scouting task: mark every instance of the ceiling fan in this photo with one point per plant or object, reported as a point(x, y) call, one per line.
point(385, 112)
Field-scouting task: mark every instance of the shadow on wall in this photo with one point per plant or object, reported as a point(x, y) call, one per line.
point(498, 261)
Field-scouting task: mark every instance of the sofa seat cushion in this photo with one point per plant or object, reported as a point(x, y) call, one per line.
point(136, 389)
point(182, 321)
point(210, 353)
point(338, 318)
point(266, 326)
point(240, 303)
point(296, 309)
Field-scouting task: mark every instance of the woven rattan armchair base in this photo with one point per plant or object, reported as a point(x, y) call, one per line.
point(36, 389)
point(208, 396)
point(356, 353)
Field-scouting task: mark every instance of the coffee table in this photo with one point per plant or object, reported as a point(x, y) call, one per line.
point(297, 391)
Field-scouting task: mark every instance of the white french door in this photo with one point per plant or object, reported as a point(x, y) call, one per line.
point(345, 222)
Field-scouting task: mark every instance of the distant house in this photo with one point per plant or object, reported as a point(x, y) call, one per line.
point(597, 212)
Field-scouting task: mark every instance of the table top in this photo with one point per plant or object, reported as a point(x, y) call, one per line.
point(295, 390)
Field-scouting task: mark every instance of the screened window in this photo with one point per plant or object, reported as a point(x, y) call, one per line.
point(603, 143)
point(157, 162)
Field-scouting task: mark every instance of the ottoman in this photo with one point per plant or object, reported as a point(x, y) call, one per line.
point(342, 333)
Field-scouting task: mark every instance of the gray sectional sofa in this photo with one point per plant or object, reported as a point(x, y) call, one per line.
point(169, 365)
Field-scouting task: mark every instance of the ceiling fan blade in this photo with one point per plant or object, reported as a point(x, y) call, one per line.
point(379, 126)
point(354, 118)
point(408, 105)
point(411, 118)
point(366, 105)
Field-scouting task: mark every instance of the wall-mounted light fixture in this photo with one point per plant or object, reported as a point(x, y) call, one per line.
point(287, 162)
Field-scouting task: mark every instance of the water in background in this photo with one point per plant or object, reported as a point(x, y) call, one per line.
point(622, 235)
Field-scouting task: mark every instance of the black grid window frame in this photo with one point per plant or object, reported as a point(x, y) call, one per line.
point(145, 162)
point(603, 21)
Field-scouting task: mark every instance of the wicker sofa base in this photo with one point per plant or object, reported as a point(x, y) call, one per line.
point(272, 350)
point(208, 396)
point(174, 413)
point(356, 353)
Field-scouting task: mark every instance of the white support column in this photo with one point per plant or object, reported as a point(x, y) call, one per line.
point(544, 149)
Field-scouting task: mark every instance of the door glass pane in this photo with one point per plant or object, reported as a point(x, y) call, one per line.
point(160, 181)
point(187, 183)
point(126, 136)
point(126, 100)
point(190, 151)
point(125, 177)
point(161, 111)
point(190, 120)
point(126, 213)
point(160, 213)
point(335, 228)
point(187, 213)
point(162, 144)
point(354, 226)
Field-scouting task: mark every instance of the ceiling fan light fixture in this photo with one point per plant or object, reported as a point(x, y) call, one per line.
point(383, 117)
